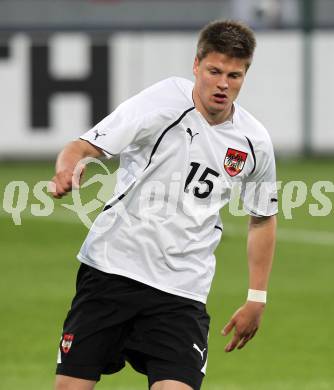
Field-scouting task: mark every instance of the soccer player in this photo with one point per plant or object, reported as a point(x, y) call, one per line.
point(147, 262)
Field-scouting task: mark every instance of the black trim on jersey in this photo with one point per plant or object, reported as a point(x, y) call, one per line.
point(108, 206)
point(253, 153)
point(219, 228)
point(260, 215)
point(155, 147)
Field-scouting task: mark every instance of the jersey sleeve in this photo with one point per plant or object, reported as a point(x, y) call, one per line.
point(123, 127)
point(259, 190)
point(137, 121)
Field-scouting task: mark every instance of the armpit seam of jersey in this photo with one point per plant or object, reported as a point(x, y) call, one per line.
point(253, 154)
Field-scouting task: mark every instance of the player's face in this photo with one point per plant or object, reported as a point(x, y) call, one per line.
point(218, 82)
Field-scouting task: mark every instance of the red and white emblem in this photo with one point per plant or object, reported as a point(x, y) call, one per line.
point(234, 161)
point(67, 342)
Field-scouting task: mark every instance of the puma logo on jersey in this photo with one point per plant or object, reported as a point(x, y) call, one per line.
point(97, 134)
point(191, 134)
point(196, 347)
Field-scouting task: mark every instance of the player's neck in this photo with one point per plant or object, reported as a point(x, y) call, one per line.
point(213, 118)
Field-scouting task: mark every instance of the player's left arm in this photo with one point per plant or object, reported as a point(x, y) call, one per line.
point(260, 248)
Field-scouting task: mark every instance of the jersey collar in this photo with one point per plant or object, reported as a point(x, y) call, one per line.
point(228, 124)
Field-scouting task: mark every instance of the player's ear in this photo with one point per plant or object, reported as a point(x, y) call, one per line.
point(195, 66)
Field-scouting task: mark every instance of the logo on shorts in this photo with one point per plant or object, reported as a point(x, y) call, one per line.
point(234, 161)
point(67, 342)
point(196, 347)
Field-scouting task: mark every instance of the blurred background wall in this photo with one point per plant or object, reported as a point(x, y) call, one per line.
point(65, 64)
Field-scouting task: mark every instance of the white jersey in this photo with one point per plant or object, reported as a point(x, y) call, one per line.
point(162, 226)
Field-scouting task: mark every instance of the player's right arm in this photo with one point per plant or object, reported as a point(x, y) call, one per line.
point(135, 121)
point(67, 162)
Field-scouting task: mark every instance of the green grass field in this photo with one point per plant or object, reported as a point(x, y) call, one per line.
point(293, 350)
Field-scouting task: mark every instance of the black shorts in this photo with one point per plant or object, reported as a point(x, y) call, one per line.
point(114, 319)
